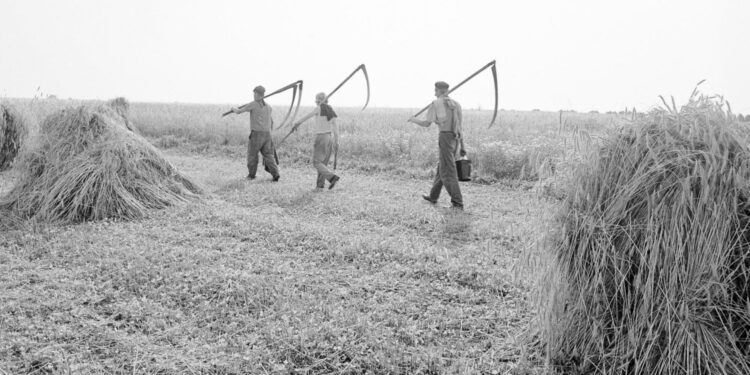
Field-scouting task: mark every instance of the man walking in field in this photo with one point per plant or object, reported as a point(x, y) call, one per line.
point(446, 113)
point(325, 125)
point(260, 140)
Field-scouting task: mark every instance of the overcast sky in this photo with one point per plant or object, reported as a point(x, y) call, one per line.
point(579, 54)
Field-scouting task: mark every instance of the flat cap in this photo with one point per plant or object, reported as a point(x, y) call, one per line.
point(260, 90)
point(441, 85)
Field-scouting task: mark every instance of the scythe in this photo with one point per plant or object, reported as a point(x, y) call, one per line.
point(494, 79)
point(367, 80)
point(297, 85)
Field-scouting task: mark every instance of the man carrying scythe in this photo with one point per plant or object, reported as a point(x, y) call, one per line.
point(260, 140)
point(325, 125)
point(447, 114)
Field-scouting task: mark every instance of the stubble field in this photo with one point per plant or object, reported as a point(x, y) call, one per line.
point(259, 277)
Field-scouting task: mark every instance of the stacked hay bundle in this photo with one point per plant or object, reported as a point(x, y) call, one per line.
point(121, 106)
point(13, 130)
point(652, 255)
point(89, 166)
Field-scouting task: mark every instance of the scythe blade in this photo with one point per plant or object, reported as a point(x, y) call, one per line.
point(367, 80)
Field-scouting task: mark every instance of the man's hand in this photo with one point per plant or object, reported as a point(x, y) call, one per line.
point(462, 152)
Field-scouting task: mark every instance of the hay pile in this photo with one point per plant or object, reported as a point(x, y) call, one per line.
point(13, 131)
point(121, 106)
point(652, 253)
point(88, 166)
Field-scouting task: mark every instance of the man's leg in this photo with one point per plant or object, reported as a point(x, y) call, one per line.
point(447, 169)
point(253, 147)
point(332, 177)
point(267, 149)
point(437, 187)
point(321, 157)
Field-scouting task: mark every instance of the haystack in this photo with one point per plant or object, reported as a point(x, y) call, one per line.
point(89, 166)
point(121, 106)
point(652, 253)
point(13, 130)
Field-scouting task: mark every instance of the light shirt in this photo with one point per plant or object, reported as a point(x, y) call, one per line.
point(446, 113)
point(260, 116)
point(322, 124)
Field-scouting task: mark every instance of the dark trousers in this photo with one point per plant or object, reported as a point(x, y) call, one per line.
point(446, 175)
point(260, 142)
point(321, 157)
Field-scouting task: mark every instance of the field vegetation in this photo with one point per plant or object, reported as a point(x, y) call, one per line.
point(277, 278)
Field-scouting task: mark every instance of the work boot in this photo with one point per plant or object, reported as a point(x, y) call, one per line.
point(250, 177)
point(333, 182)
point(427, 198)
point(276, 178)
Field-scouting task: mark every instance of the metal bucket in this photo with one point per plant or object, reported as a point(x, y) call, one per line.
point(463, 167)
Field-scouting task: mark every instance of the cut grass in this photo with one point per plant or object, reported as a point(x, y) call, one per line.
point(275, 278)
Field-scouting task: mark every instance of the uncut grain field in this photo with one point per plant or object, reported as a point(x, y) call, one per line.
point(257, 277)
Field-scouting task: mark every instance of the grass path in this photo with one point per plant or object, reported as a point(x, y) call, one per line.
point(261, 277)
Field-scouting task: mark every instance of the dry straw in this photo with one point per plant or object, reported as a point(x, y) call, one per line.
point(122, 108)
point(13, 131)
point(651, 262)
point(89, 166)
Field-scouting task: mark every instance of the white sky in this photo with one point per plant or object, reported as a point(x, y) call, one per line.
point(578, 54)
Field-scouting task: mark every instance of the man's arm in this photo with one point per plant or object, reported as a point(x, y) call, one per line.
point(419, 122)
point(245, 108)
point(335, 126)
point(307, 117)
point(430, 117)
point(459, 128)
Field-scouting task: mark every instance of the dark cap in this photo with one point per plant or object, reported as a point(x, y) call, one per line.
point(441, 85)
point(260, 90)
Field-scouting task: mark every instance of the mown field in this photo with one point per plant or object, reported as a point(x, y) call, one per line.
point(276, 278)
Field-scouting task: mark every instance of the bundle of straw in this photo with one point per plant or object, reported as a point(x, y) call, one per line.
point(651, 263)
point(88, 166)
point(121, 106)
point(13, 130)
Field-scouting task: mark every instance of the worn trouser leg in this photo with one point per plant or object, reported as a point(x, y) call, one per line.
point(446, 174)
point(254, 144)
point(267, 150)
point(260, 142)
point(321, 157)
